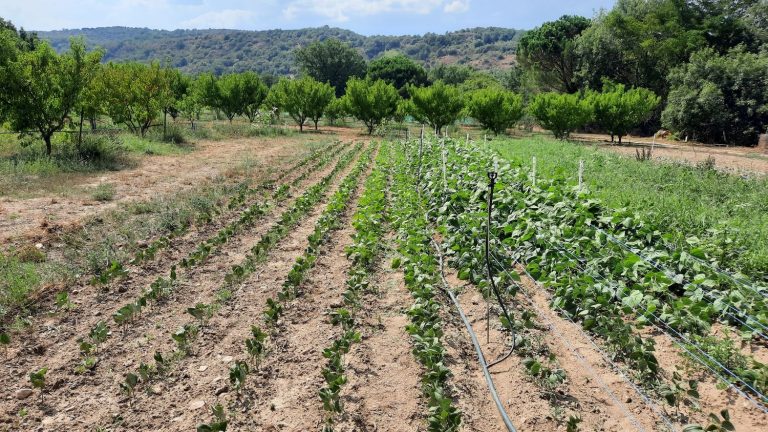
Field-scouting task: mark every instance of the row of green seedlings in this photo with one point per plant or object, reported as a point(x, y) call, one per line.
point(369, 223)
point(240, 194)
point(420, 269)
point(462, 234)
point(330, 220)
point(162, 287)
point(185, 335)
point(599, 308)
point(322, 154)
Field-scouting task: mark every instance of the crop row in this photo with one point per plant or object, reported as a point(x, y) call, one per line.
point(364, 252)
point(541, 223)
point(420, 272)
point(330, 220)
point(186, 334)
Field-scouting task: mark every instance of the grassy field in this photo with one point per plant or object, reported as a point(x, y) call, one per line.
point(695, 201)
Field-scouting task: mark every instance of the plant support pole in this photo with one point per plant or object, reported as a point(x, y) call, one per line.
point(533, 171)
point(581, 173)
point(492, 176)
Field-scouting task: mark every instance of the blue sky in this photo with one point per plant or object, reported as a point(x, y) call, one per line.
point(392, 17)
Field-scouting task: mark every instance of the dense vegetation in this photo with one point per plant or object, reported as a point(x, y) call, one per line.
point(270, 52)
point(707, 60)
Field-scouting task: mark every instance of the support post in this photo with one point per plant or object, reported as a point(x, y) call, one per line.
point(533, 171)
point(581, 173)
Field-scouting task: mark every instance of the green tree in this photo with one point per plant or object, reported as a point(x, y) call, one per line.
point(39, 88)
point(437, 105)
point(335, 110)
point(331, 61)
point(398, 70)
point(549, 52)
point(239, 94)
point(135, 94)
point(719, 98)
point(371, 102)
point(450, 74)
point(495, 109)
point(560, 113)
point(617, 110)
point(190, 107)
point(302, 99)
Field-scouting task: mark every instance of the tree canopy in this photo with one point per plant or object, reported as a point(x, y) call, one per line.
point(399, 71)
point(437, 105)
point(618, 110)
point(331, 61)
point(39, 88)
point(561, 113)
point(302, 99)
point(371, 102)
point(495, 109)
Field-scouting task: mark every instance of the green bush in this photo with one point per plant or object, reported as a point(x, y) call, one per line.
point(103, 192)
point(495, 109)
point(618, 110)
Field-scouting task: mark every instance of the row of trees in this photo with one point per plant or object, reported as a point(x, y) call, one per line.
point(706, 59)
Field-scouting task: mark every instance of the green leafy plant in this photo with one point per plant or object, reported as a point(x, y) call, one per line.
point(716, 424)
point(255, 345)
point(220, 421)
point(237, 374)
point(37, 379)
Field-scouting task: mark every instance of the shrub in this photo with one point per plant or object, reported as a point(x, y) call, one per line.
point(495, 109)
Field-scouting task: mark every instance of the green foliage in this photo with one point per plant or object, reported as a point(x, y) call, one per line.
point(39, 88)
point(331, 61)
point(237, 374)
point(550, 51)
point(135, 94)
point(716, 424)
point(103, 192)
point(561, 113)
point(438, 105)
point(336, 110)
point(303, 99)
point(220, 421)
point(37, 379)
point(719, 98)
point(398, 70)
point(237, 94)
point(372, 102)
point(617, 110)
point(495, 109)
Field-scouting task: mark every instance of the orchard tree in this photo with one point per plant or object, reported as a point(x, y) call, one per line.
point(302, 99)
point(561, 113)
point(495, 109)
point(39, 88)
point(617, 110)
point(190, 107)
point(398, 70)
point(549, 51)
point(135, 94)
point(437, 105)
point(331, 61)
point(335, 110)
point(371, 102)
point(254, 92)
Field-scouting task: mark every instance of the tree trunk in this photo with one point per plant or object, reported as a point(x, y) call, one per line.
point(619, 139)
point(47, 139)
point(80, 134)
point(612, 138)
point(93, 123)
point(301, 126)
point(165, 124)
point(316, 123)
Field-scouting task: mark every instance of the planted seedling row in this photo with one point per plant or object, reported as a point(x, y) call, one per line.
point(369, 224)
point(420, 272)
point(330, 219)
point(186, 334)
point(599, 306)
point(162, 287)
point(239, 195)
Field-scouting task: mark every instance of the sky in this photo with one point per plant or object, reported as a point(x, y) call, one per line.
point(368, 17)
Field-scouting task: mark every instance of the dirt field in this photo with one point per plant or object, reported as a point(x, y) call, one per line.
point(734, 159)
point(384, 389)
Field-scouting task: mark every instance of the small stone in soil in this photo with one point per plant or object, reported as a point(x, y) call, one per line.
point(196, 404)
point(23, 393)
point(221, 390)
point(202, 368)
point(227, 359)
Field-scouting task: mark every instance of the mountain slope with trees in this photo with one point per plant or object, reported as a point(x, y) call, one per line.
point(271, 51)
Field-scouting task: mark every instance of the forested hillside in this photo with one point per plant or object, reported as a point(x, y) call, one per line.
point(271, 51)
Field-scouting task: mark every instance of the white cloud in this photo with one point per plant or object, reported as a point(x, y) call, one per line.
point(342, 10)
point(457, 6)
point(227, 18)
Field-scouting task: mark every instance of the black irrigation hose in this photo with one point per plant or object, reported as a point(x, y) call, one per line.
point(492, 175)
point(488, 379)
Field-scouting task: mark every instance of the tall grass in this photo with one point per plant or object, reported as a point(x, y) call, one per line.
point(729, 210)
